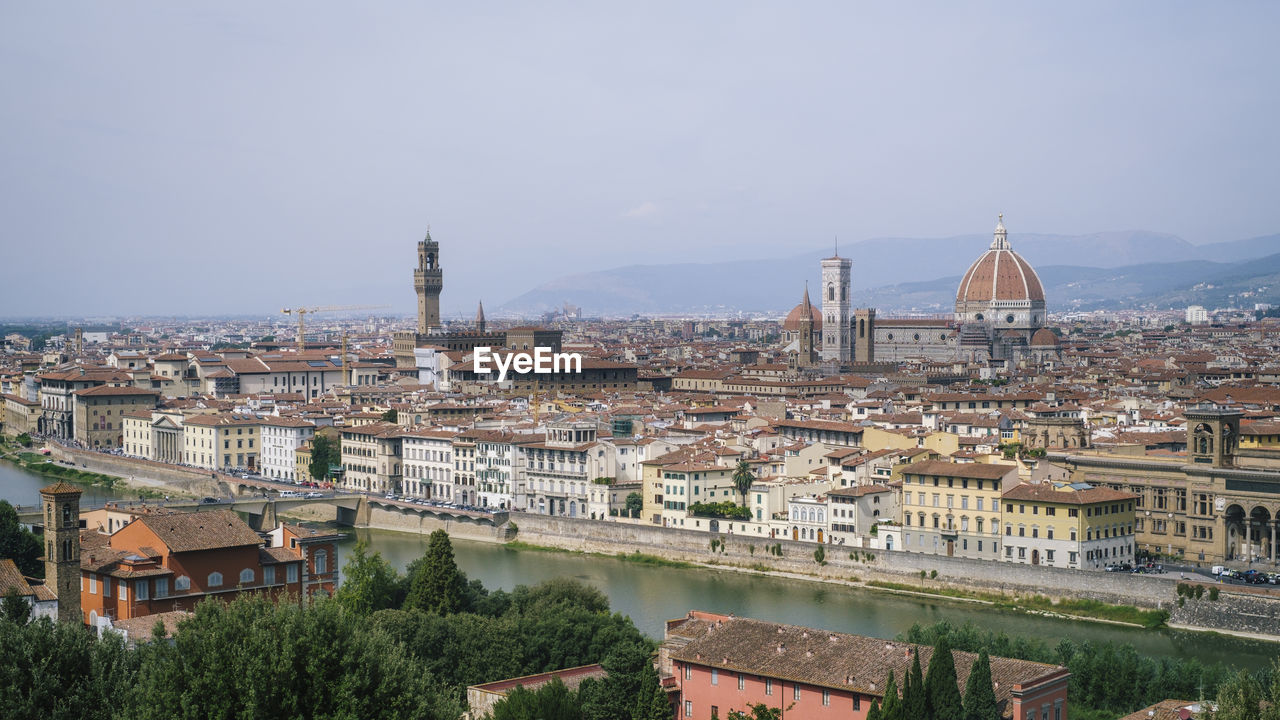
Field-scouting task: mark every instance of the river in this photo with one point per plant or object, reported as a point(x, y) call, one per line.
point(651, 594)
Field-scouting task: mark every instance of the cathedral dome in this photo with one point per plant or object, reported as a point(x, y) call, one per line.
point(1000, 274)
point(1044, 337)
point(792, 323)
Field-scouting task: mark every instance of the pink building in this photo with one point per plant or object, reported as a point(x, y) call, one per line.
point(719, 663)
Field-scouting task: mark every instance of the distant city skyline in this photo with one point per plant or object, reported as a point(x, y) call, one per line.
point(222, 160)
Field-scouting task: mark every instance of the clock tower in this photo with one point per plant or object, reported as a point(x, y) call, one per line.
point(428, 281)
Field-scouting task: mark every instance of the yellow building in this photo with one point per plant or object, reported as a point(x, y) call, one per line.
point(952, 508)
point(1068, 525)
point(222, 442)
point(98, 413)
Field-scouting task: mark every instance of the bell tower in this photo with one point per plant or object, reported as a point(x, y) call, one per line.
point(428, 281)
point(1213, 433)
point(837, 345)
point(61, 503)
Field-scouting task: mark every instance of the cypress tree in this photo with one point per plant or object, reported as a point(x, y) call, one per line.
point(914, 701)
point(979, 695)
point(652, 704)
point(874, 713)
point(438, 585)
point(891, 709)
point(941, 687)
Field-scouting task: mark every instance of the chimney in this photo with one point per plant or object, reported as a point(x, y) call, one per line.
point(782, 648)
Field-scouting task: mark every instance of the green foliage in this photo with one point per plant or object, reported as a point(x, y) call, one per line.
point(24, 440)
point(551, 701)
point(727, 509)
point(253, 658)
point(18, 543)
point(979, 694)
point(743, 479)
point(751, 548)
point(820, 555)
point(874, 712)
point(1200, 592)
point(933, 574)
point(14, 608)
point(635, 504)
point(61, 672)
point(651, 701)
point(759, 711)
point(891, 709)
point(1106, 677)
point(369, 583)
point(1240, 698)
point(325, 453)
point(941, 684)
point(1213, 594)
point(915, 699)
point(390, 416)
point(435, 583)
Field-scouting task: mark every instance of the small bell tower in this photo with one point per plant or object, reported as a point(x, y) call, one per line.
point(61, 503)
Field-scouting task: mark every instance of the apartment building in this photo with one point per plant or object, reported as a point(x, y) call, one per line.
point(953, 509)
point(428, 462)
point(281, 438)
point(1068, 525)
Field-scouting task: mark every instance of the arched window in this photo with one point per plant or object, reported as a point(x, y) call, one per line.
point(831, 291)
point(321, 562)
point(215, 579)
point(182, 583)
point(66, 513)
point(246, 576)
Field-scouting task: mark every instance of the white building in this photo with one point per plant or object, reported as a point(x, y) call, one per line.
point(556, 473)
point(428, 463)
point(281, 438)
point(1197, 315)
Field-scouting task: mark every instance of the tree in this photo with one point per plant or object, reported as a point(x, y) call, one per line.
point(24, 440)
point(325, 453)
point(891, 708)
point(1240, 698)
point(18, 543)
point(743, 479)
point(437, 585)
point(14, 607)
point(914, 701)
point(874, 712)
point(759, 711)
point(551, 701)
point(369, 582)
point(1272, 711)
point(979, 693)
point(940, 683)
point(652, 702)
point(635, 504)
point(391, 416)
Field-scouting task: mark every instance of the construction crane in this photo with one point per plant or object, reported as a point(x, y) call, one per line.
point(302, 313)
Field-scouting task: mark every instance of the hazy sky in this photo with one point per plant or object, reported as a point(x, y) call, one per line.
point(236, 157)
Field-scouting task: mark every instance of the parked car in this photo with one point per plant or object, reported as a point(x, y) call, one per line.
point(314, 494)
point(209, 501)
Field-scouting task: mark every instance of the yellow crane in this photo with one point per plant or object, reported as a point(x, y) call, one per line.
point(302, 313)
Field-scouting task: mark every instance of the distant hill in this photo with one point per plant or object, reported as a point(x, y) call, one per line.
point(1112, 269)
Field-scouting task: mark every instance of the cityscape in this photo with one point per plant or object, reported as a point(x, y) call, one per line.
point(696, 461)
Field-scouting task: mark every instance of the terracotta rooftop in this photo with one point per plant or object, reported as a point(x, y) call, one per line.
point(212, 530)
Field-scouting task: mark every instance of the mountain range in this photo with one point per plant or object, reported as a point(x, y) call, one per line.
point(1110, 270)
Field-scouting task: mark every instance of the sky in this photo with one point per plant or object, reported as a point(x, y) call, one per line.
point(237, 157)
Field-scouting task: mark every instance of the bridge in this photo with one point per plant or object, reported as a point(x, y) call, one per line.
point(259, 501)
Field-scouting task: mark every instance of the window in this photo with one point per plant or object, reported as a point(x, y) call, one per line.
point(140, 590)
point(768, 686)
point(162, 587)
point(826, 697)
point(795, 692)
point(688, 708)
point(182, 583)
point(215, 579)
point(124, 590)
point(246, 576)
point(715, 676)
point(291, 574)
point(93, 584)
point(742, 681)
